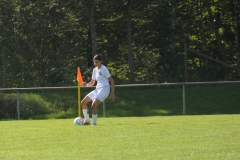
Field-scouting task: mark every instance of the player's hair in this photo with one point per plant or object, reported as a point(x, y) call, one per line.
point(98, 57)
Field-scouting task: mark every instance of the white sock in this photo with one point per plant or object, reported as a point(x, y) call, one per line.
point(86, 115)
point(94, 117)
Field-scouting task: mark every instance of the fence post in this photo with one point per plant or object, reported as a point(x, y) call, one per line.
point(184, 100)
point(104, 109)
point(18, 104)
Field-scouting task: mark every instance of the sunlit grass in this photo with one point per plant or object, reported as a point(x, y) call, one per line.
point(167, 137)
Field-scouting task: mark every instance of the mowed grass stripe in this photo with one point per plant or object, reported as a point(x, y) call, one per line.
point(167, 137)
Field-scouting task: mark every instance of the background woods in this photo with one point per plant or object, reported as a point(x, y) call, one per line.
point(43, 42)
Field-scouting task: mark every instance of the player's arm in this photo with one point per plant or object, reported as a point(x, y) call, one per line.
point(91, 83)
point(112, 95)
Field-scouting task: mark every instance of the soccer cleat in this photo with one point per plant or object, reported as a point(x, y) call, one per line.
point(87, 123)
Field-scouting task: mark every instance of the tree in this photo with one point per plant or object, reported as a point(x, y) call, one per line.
point(215, 28)
point(129, 40)
point(90, 8)
point(237, 31)
point(43, 42)
point(173, 26)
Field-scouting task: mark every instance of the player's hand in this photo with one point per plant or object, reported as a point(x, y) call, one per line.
point(84, 84)
point(113, 96)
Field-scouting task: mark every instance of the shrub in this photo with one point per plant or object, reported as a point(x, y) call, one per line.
point(33, 105)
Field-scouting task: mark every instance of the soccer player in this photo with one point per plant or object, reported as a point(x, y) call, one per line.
point(102, 76)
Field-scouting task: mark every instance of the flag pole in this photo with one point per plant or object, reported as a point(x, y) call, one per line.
point(79, 100)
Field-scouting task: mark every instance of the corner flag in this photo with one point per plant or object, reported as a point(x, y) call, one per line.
point(80, 82)
point(79, 76)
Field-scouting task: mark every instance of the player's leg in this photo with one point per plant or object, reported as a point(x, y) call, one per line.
point(102, 94)
point(84, 103)
point(95, 104)
point(90, 97)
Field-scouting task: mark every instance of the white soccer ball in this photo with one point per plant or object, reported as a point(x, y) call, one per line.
point(78, 121)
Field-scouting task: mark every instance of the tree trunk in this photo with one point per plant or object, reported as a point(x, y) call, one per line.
point(215, 30)
point(238, 49)
point(237, 32)
point(5, 84)
point(129, 41)
point(173, 35)
point(90, 13)
point(92, 29)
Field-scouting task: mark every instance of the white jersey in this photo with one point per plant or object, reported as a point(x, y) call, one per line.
point(101, 76)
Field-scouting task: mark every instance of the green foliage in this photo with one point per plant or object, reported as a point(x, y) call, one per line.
point(119, 72)
point(45, 41)
point(33, 105)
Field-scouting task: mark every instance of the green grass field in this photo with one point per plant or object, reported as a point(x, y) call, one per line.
point(156, 137)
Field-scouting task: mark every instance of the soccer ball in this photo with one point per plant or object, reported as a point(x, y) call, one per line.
point(78, 121)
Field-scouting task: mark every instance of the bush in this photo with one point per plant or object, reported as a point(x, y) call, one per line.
point(33, 105)
point(30, 105)
point(39, 105)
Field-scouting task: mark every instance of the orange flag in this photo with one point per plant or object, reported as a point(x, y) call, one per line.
point(79, 76)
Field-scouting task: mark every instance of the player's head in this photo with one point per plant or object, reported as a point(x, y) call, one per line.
point(98, 57)
point(97, 60)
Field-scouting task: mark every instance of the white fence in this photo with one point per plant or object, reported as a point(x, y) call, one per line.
point(183, 84)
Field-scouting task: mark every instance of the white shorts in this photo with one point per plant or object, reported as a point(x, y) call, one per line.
point(100, 94)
